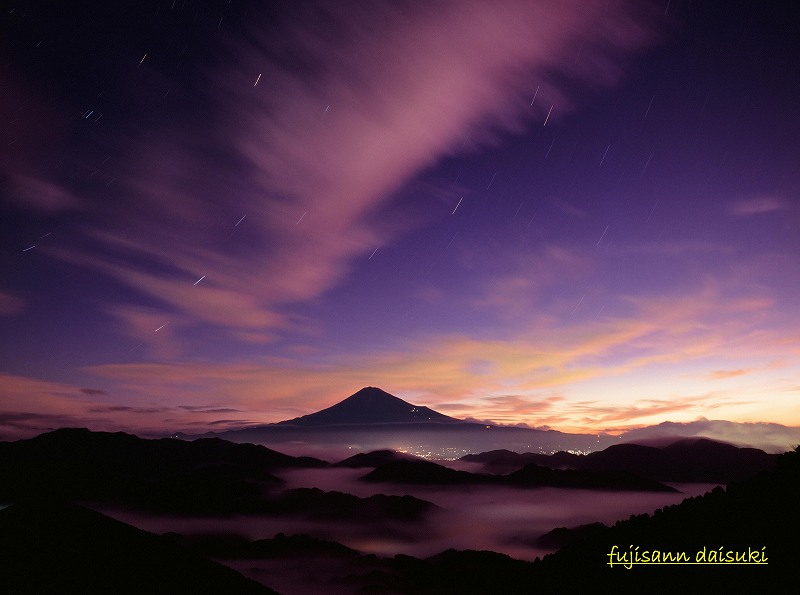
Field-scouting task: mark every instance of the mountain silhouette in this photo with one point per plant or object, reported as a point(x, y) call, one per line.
point(373, 459)
point(232, 547)
point(759, 512)
point(533, 475)
point(316, 503)
point(372, 419)
point(419, 472)
point(371, 405)
point(502, 461)
point(207, 477)
point(684, 460)
point(690, 460)
point(58, 547)
point(204, 477)
point(770, 437)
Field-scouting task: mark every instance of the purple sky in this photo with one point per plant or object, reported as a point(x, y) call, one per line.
point(572, 213)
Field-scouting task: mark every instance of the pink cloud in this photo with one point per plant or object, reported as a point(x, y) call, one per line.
point(311, 159)
point(41, 195)
point(758, 205)
point(724, 374)
point(593, 413)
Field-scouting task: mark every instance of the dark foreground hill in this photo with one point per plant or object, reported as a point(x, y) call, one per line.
point(56, 547)
point(373, 459)
point(684, 460)
point(208, 476)
point(418, 472)
point(759, 515)
point(689, 459)
point(204, 478)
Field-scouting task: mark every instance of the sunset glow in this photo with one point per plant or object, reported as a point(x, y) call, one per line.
point(579, 215)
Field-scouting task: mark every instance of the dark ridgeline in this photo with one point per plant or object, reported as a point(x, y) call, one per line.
point(371, 405)
point(373, 459)
point(235, 547)
point(530, 476)
point(534, 475)
point(206, 477)
point(420, 472)
point(504, 461)
point(47, 546)
point(684, 460)
point(314, 503)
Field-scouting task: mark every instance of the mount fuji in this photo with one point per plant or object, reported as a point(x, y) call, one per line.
point(372, 419)
point(371, 405)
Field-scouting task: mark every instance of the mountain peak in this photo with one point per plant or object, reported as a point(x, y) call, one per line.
point(371, 405)
point(372, 392)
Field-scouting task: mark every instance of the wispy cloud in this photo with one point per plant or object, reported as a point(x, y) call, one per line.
point(93, 391)
point(41, 196)
point(312, 153)
point(589, 413)
point(758, 205)
point(723, 374)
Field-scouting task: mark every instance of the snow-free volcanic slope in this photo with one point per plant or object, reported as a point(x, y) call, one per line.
point(371, 405)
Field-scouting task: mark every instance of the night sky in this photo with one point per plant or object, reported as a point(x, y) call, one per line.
point(578, 214)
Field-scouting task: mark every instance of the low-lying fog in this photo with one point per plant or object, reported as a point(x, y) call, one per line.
point(502, 519)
